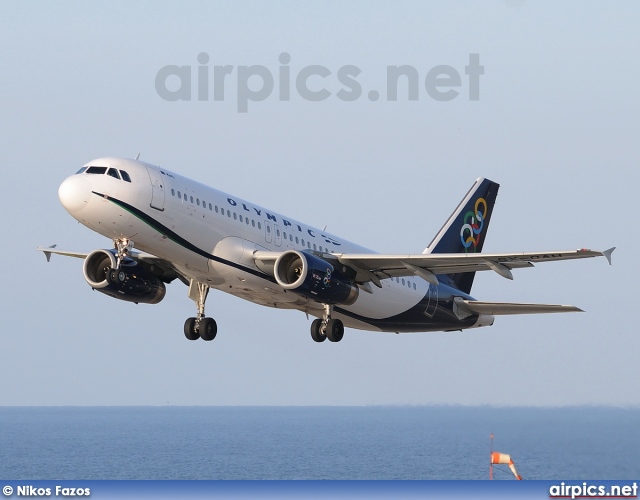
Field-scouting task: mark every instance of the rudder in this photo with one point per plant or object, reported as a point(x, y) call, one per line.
point(466, 228)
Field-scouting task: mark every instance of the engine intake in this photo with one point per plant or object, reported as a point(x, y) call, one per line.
point(315, 278)
point(132, 282)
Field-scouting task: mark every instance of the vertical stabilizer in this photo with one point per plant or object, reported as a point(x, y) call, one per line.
point(466, 228)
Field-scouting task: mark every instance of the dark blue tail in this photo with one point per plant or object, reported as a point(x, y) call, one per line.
point(466, 229)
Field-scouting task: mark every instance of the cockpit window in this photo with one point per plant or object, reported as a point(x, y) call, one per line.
point(125, 176)
point(96, 170)
point(81, 170)
point(113, 173)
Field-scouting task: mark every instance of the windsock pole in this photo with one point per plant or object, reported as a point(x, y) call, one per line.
point(490, 455)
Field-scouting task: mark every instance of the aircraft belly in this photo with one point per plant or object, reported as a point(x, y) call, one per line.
point(384, 302)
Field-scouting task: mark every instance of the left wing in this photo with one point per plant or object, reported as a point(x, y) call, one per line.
point(376, 267)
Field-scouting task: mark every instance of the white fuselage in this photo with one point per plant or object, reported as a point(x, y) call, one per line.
point(186, 223)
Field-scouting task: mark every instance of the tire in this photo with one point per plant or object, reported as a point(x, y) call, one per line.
point(335, 330)
point(112, 276)
point(316, 333)
point(208, 329)
point(190, 329)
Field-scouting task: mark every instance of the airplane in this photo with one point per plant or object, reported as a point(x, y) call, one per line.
point(165, 227)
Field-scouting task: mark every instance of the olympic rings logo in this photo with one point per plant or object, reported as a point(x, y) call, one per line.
point(473, 223)
point(327, 278)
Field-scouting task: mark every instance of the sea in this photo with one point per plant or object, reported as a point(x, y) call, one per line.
point(317, 443)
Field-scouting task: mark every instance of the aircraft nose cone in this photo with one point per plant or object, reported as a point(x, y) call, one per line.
point(74, 193)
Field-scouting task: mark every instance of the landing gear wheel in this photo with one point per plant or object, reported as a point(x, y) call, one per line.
point(190, 329)
point(316, 331)
point(335, 330)
point(115, 277)
point(112, 276)
point(208, 329)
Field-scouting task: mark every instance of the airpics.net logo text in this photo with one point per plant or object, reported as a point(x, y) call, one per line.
point(313, 82)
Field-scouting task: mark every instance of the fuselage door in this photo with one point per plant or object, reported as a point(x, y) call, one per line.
point(432, 301)
point(268, 231)
point(278, 235)
point(157, 189)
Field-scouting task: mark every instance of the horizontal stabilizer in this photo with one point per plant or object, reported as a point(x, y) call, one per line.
point(505, 308)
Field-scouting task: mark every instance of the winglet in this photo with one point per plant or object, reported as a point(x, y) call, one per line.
point(47, 254)
point(607, 254)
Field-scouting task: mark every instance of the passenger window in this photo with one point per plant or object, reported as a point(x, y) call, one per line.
point(314, 246)
point(259, 226)
point(247, 220)
point(173, 192)
point(278, 232)
point(268, 229)
point(309, 245)
point(284, 235)
point(198, 201)
point(414, 286)
point(235, 217)
point(113, 173)
point(253, 223)
point(302, 241)
point(240, 216)
point(96, 170)
point(81, 170)
point(191, 199)
point(179, 195)
point(297, 241)
point(211, 207)
point(216, 208)
point(185, 196)
point(125, 176)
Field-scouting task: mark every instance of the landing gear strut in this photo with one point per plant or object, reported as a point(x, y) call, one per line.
point(200, 326)
point(113, 274)
point(327, 328)
point(123, 246)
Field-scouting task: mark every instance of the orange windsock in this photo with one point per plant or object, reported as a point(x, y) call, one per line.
point(503, 458)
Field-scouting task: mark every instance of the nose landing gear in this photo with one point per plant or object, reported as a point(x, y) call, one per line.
point(123, 246)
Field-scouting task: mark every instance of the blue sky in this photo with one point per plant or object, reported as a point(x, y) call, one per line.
point(556, 125)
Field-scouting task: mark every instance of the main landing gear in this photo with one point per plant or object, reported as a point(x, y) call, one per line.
point(327, 328)
point(200, 327)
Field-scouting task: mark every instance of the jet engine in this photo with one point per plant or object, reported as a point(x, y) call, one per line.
point(132, 282)
point(308, 275)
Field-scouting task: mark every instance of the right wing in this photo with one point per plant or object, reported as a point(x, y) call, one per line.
point(145, 258)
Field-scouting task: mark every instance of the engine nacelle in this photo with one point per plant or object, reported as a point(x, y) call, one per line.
point(315, 278)
point(131, 282)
